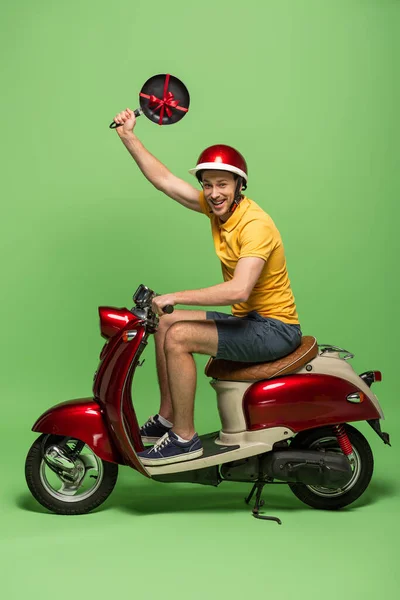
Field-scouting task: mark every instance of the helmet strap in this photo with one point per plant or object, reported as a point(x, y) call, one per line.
point(238, 196)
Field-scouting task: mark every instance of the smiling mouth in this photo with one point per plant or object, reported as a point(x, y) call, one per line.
point(220, 203)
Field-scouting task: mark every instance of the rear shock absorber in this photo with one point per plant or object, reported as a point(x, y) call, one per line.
point(344, 442)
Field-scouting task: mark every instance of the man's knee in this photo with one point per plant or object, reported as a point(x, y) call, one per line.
point(166, 321)
point(176, 336)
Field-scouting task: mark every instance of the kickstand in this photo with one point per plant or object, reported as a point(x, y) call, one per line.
point(259, 503)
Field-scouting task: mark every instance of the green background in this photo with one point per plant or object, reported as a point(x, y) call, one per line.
point(308, 91)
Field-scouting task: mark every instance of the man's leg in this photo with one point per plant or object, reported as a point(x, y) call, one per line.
point(182, 340)
point(166, 321)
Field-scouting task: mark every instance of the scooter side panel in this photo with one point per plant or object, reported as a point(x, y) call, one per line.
point(302, 402)
point(82, 419)
point(112, 390)
point(330, 363)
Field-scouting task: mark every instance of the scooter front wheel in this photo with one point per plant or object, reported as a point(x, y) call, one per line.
point(324, 439)
point(69, 491)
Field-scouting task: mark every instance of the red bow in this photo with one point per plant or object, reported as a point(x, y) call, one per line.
point(156, 103)
point(164, 104)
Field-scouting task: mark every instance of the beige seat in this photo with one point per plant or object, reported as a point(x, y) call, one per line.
point(239, 371)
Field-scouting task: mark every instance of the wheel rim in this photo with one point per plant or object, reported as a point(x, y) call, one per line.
point(331, 444)
point(89, 478)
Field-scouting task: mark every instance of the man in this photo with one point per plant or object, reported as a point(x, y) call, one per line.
point(264, 325)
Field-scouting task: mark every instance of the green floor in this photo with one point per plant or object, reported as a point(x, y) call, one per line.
point(308, 91)
point(178, 540)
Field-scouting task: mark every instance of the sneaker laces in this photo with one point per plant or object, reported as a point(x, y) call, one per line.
point(150, 421)
point(161, 443)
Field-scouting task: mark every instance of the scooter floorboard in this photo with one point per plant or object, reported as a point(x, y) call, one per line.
point(213, 454)
point(210, 448)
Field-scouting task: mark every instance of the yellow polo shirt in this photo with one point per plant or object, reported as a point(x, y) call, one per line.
point(250, 231)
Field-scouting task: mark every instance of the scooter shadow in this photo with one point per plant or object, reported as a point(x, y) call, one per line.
point(157, 498)
point(173, 498)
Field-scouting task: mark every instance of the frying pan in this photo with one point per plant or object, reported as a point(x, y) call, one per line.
point(163, 99)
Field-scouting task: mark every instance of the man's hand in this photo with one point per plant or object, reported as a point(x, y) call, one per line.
point(159, 302)
point(127, 119)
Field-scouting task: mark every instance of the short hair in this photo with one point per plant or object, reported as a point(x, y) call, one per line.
point(199, 176)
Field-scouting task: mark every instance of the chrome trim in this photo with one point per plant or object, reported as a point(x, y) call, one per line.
point(69, 490)
point(56, 457)
point(354, 398)
point(130, 335)
point(329, 348)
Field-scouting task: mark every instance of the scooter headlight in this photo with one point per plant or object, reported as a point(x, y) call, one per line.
point(112, 320)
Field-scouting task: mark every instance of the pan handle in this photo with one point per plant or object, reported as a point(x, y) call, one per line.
point(137, 114)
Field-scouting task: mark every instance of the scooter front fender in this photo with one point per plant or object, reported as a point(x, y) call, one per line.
point(82, 419)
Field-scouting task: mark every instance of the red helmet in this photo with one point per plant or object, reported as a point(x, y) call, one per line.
point(221, 158)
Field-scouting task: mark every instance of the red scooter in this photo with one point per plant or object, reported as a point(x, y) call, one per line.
point(281, 422)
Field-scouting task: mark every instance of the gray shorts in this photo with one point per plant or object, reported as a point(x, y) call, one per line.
point(254, 338)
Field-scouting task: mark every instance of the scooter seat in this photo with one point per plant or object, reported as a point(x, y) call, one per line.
point(239, 371)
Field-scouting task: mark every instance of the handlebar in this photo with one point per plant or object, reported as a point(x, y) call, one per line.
point(143, 298)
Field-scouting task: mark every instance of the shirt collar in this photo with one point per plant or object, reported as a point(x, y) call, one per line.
point(236, 216)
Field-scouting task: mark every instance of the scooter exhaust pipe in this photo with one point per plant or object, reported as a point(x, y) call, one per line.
point(311, 467)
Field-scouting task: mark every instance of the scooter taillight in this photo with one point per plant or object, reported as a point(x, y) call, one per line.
point(113, 320)
point(371, 376)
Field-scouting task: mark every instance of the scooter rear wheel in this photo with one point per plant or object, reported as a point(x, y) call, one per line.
point(323, 498)
point(93, 480)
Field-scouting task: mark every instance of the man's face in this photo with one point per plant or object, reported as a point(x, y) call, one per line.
point(219, 191)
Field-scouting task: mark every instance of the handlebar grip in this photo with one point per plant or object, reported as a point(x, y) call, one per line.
point(137, 114)
point(168, 309)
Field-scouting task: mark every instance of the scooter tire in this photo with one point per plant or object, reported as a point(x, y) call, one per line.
point(335, 499)
point(33, 478)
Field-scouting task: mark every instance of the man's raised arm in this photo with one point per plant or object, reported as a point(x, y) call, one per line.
point(152, 168)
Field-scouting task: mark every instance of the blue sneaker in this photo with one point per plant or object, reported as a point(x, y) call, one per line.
point(170, 450)
point(153, 430)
